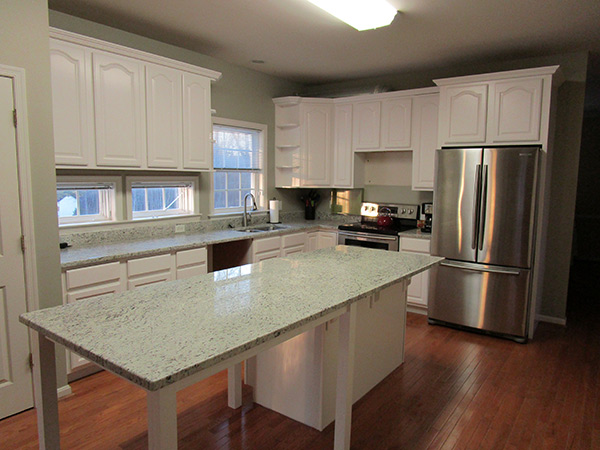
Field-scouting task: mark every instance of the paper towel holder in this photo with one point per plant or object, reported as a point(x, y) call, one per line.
point(274, 207)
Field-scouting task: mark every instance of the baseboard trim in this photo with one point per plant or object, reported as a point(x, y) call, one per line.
point(64, 391)
point(552, 319)
point(417, 309)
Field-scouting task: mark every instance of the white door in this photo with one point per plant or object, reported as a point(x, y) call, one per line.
point(16, 393)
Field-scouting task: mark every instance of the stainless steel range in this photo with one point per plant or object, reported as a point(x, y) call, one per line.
point(379, 225)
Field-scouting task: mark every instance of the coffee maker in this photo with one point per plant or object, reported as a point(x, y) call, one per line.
point(427, 210)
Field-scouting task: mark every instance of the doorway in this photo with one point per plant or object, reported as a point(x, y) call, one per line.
point(16, 389)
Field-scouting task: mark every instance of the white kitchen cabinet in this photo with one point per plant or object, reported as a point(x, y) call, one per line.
point(425, 136)
point(316, 143)
point(366, 125)
point(517, 109)
point(343, 156)
point(190, 263)
point(197, 124)
point(293, 243)
point(119, 110)
point(396, 118)
point(150, 270)
point(463, 114)
point(298, 377)
point(418, 290)
point(86, 283)
point(72, 104)
point(266, 248)
point(164, 117)
point(321, 239)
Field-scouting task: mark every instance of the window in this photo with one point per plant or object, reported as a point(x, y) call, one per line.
point(153, 198)
point(82, 202)
point(238, 161)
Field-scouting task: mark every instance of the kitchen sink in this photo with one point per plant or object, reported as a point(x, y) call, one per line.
point(261, 228)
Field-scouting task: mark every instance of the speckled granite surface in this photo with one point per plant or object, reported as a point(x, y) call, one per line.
point(156, 335)
point(87, 255)
point(416, 233)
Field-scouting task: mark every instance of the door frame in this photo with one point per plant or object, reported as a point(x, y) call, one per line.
point(25, 198)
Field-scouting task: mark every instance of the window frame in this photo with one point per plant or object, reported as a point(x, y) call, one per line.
point(193, 206)
point(260, 174)
point(112, 212)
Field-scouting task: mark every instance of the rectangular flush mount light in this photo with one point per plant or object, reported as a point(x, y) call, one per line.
point(360, 14)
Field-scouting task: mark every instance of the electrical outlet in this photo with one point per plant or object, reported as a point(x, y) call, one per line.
point(180, 228)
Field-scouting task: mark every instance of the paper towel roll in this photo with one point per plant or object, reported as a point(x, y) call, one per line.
point(274, 207)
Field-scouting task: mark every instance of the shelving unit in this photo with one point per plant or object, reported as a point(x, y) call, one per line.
point(287, 142)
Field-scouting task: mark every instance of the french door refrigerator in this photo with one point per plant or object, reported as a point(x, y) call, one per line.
point(484, 225)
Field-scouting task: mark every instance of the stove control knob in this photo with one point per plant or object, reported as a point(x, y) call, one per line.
point(410, 211)
point(403, 210)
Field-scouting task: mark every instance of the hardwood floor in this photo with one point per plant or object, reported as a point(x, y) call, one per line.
point(455, 390)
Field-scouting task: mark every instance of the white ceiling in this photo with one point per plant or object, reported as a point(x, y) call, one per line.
point(302, 43)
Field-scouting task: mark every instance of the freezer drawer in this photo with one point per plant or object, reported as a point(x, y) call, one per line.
point(484, 297)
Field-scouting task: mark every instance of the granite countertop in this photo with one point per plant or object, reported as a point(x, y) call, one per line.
point(82, 256)
point(415, 233)
point(159, 334)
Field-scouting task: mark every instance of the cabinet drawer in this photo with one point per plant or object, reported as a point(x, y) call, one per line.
point(415, 245)
point(87, 276)
point(191, 257)
point(293, 240)
point(268, 244)
point(142, 266)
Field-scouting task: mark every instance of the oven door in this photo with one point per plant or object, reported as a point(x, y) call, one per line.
point(368, 240)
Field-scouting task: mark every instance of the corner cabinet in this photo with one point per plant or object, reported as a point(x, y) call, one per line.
point(116, 107)
point(501, 108)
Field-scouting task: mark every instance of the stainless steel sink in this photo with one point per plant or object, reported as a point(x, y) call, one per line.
point(261, 228)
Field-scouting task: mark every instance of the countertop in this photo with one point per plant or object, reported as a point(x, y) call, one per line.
point(416, 233)
point(159, 334)
point(82, 256)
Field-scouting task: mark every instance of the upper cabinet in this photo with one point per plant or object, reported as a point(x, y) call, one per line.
point(499, 108)
point(425, 135)
point(119, 110)
point(115, 107)
point(72, 104)
point(367, 124)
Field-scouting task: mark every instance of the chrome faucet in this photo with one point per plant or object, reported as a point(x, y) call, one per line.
point(246, 217)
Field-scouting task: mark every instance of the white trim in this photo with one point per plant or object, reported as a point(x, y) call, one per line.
point(98, 44)
point(25, 198)
point(552, 319)
point(64, 391)
point(416, 309)
point(538, 71)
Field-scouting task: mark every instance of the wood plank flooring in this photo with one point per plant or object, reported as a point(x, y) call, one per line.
point(456, 390)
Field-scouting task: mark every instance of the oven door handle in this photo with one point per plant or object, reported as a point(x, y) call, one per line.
point(368, 236)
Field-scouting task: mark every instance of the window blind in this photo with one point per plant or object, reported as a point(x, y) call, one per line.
point(236, 148)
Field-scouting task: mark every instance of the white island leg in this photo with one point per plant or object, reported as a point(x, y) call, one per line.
point(46, 398)
point(343, 400)
point(234, 386)
point(162, 418)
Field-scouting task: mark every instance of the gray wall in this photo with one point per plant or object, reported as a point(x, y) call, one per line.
point(24, 43)
point(566, 150)
point(240, 94)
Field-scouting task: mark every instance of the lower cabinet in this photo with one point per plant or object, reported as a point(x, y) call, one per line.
point(419, 287)
point(298, 377)
point(321, 239)
point(110, 278)
point(281, 246)
point(266, 248)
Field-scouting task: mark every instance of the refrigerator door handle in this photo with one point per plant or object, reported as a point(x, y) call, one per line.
point(480, 268)
point(476, 202)
point(483, 205)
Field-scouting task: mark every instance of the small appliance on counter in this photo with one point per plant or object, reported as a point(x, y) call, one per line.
point(379, 225)
point(427, 213)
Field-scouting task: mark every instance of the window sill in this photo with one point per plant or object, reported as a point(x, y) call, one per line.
point(186, 218)
point(236, 214)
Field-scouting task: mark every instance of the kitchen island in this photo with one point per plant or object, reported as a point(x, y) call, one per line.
point(166, 337)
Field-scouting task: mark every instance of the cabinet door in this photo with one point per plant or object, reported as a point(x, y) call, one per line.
point(327, 239)
point(463, 114)
point(312, 241)
point(191, 263)
point(418, 290)
point(263, 256)
point(150, 270)
point(197, 125)
point(425, 135)
point(517, 110)
point(119, 111)
point(316, 144)
point(163, 115)
point(366, 125)
point(343, 157)
point(72, 103)
point(396, 123)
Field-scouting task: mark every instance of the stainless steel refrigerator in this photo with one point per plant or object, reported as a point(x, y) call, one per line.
point(484, 225)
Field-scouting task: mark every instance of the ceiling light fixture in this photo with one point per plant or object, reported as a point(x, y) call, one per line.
point(360, 14)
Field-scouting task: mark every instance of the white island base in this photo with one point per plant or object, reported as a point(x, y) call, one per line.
point(298, 377)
